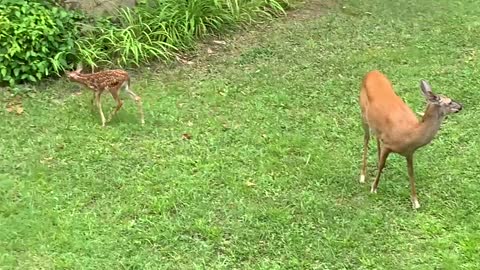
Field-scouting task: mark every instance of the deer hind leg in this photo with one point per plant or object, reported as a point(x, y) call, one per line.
point(384, 152)
point(116, 97)
point(413, 195)
point(99, 106)
point(138, 101)
point(366, 140)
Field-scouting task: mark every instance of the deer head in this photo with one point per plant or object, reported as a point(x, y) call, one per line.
point(75, 75)
point(445, 105)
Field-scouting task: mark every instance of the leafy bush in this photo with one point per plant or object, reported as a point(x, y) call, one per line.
point(158, 28)
point(39, 38)
point(36, 40)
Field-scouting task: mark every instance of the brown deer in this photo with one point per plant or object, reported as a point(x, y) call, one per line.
point(111, 80)
point(395, 126)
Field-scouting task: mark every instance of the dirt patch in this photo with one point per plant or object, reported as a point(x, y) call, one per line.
point(98, 8)
point(311, 9)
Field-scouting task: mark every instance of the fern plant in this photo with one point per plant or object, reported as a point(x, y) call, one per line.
point(156, 29)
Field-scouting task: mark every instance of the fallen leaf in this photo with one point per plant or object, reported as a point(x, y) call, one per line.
point(186, 136)
point(46, 160)
point(250, 184)
point(19, 110)
point(15, 106)
point(183, 61)
point(209, 51)
point(220, 42)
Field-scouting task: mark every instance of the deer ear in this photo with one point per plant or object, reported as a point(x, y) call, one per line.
point(427, 91)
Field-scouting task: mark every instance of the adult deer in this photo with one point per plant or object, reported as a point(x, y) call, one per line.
point(395, 126)
point(110, 80)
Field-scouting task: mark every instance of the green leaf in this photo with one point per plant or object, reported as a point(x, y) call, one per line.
point(63, 14)
point(41, 66)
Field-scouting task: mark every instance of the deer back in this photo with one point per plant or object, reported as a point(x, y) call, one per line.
point(108, 79)
point(382, 109)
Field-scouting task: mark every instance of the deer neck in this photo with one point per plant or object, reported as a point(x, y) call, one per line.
point(429, 125)
point(84, 79)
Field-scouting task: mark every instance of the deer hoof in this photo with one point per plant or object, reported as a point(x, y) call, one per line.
point(373, 190)
point(415, 204)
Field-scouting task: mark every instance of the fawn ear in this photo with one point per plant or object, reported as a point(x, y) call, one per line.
point(427, 91)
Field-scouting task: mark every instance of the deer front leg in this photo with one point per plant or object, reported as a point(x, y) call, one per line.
point(379, 147)
point(99, 106)
point(366, 139)
point(384, 152)
point(413, 195)
point(93, 103)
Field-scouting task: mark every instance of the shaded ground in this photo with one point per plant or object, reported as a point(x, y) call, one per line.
point(269, 177)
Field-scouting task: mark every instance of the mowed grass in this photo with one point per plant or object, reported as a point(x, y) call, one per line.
point(269, 177)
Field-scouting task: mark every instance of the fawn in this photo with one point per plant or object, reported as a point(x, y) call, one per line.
point(111, 80)
point(395, 126)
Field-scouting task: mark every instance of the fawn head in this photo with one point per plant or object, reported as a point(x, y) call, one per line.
point(446, 105)
point(75, 75)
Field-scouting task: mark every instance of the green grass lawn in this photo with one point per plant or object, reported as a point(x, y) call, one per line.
point(269, 178)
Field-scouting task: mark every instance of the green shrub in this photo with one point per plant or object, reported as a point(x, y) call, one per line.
point(39, 38)
point(159, 28)
point(129, 41)
point(36, 40)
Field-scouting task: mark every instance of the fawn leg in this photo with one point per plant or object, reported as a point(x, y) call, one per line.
point(137, 100)
point(99, 106)
point(94, 103)
point(366, 139)
point(384, 152)
point(115, 95)
point(413, 196)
